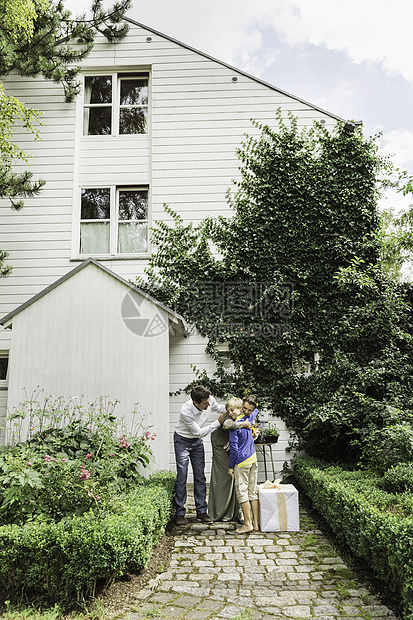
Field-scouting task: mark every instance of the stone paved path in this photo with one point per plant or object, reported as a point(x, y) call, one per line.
point(217, 574)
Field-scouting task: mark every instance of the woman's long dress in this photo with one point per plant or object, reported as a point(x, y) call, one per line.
point(222, 502)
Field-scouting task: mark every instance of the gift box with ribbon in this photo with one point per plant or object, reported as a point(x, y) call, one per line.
point(278, 505)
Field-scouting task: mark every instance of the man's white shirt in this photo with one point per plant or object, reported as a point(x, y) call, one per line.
point(191, 421)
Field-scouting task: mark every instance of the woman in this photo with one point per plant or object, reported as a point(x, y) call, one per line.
point(222, 501)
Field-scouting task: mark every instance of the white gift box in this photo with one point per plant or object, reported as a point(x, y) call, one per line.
point(279, 509)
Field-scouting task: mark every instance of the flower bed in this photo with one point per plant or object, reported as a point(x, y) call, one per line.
point(75, 508)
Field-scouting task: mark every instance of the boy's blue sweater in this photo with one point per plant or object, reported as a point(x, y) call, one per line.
point(241, 443)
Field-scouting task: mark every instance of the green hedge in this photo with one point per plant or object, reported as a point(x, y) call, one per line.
point(79, 556)
point(377, 526)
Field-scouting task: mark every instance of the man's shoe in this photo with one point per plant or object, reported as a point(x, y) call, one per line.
point(204, 518)
point(181, 521)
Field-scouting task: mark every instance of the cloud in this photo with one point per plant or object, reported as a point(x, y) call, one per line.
point(375, 31)
point(369, 31)
point(398, 144)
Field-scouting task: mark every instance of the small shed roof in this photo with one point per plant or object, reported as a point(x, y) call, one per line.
point(174, 318)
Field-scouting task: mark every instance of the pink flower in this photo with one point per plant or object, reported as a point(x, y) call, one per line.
point(84, 474)
point(124, 443)
point(64, 460)
point(29, 463)
point(97, 498)
point(88, 455)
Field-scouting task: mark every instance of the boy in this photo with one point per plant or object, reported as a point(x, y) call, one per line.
point(243, 461)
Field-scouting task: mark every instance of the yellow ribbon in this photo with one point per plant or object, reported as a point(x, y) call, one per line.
point(282, 511)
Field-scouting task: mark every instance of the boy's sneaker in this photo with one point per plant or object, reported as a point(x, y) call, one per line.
point(181, 521)
point(204, 517)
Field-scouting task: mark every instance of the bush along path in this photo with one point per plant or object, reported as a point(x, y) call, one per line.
point(215, 573)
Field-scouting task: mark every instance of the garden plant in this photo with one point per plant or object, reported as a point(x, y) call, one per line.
point(75, 508)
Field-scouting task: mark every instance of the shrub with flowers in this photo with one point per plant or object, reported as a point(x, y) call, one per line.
point(75, 459)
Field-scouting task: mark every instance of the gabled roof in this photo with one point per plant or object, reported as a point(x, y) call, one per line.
point(224, 64)
point(175, 318)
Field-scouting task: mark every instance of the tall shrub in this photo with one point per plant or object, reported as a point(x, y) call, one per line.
point(293, 273)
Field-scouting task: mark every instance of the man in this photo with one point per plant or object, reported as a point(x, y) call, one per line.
point(189, 446)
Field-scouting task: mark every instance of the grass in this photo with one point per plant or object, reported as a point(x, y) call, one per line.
point(15, 612)
point(243, 615)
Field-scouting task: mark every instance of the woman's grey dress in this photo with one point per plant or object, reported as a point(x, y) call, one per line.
point(222, 502)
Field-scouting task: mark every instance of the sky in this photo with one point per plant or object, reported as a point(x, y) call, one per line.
point(352, 58)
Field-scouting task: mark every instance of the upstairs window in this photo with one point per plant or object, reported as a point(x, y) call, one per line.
point(114, 221)
point(115, 104)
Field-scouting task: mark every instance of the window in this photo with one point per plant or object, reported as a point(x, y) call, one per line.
point(115, 104)
point(114, 220)
point(4, 362)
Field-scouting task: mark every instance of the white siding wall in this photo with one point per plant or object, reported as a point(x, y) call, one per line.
point(198, 118)
point(74, 342)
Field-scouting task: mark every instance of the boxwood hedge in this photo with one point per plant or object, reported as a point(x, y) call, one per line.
point(77, 557)
point(376, 525)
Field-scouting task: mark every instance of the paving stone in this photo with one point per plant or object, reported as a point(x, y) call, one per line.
point(215, 574)
point(172, 612)
point(350, 610)
point(162, 597)
point(297, 611)
point(325, 610)
point(197, 614)
point(297, 576)
point(186, 601)
point(229, 577)
point(210, 605)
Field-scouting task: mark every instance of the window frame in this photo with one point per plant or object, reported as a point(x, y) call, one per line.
point(114, 222)
point(115, 105)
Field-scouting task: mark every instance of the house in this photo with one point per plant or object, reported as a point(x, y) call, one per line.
point(157, 122)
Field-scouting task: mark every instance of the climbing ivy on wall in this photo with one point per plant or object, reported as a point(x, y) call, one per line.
point(295, 271)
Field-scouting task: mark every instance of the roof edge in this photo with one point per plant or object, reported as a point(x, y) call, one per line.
point(232, 68)
point(6, 319)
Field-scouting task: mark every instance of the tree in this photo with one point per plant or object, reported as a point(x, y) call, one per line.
point(56, 41)
point(40, 37)
point(18, 16)
point(396, 239)
point(303, 234)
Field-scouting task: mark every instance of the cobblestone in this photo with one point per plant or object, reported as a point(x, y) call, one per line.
point(215, 574)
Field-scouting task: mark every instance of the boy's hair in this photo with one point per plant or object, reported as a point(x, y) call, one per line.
point(252, 399)
point(199, 393)
point(233, 403)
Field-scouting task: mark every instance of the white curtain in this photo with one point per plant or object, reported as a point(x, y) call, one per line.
point(94, 238)
point(133, 237)
point(86, 110)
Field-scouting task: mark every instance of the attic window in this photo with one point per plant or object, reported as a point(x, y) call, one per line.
point(115, 104)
